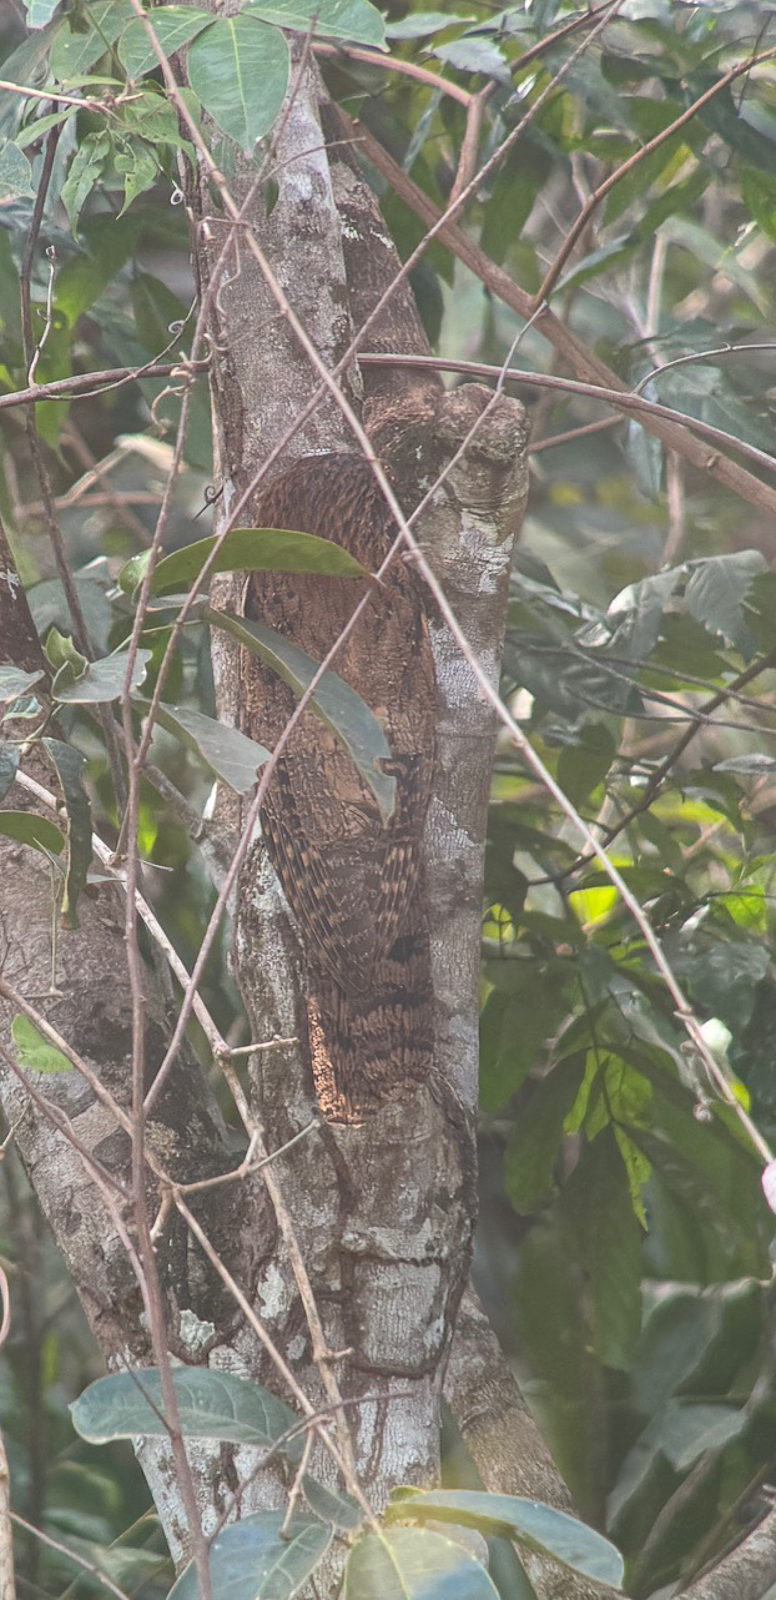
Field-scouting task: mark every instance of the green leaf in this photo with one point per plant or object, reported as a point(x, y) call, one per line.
point(599, 1219)
point(40, 12)
point(15, 174)
point(10, 756)
point(101, 680)
point(212, 1405)
point(231, 755)
point(343, 711)
point(139, 167)
point(60, 652)
point(332, 1505)
point(584, 764)
point(239, 69)
point(716, 591)
point(687, 1431)
point(85, 171)
point(758, 192)
point(257, 1559)
point(75, 50)
point(34, 1050)
point(14, 682)
point(335, 19)
point(35, 129)
point(70, 765)
point(107, 245)
point(154, 308)
point(173, 26)
point(533, 1146)
point(414, 1564)
point(516, 1021)
point(29, 828)
point(542, 1528)
point(250, 550)
point(473, 54)
point(132, 573)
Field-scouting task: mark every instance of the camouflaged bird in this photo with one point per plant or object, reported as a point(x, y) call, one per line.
point(353, 881)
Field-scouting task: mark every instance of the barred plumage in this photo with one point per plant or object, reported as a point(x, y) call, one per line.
point(352, 881)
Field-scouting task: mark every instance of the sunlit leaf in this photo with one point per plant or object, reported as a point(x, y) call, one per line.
point(34, 1050)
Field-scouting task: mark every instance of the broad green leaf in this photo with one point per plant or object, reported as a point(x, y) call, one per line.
point(758, 192)
point(132, 573)
point(139, 168)
point(608, 255)
point(420, 23)
point(541, 1527)
point(40, 12)
point(686, 1431)
point(75, 50)
point(332, 1505)
point(343, 711)
point(107, 244)
point(101, 680)
point(34, 1050)
point(532, 1150)
point(414, 1564)
point(15, 173)
point(516, 1021)
point(85, 170)
point(716, 592)
point(154, 308)
point(31, 829)
point(231, 755)
point(583, 765)
point(10, 756)
point(239, 69)
point(14, 682)
point(251, 1560)
point(473, 54)
point(212, 1405)
point(70, 765)
point(606, 1239)
point(149, 116)
point(250, 550)
point(35, 129)
point(173, 26)
point(356, 20)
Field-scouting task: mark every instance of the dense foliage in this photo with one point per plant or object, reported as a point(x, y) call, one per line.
point(625, 1245)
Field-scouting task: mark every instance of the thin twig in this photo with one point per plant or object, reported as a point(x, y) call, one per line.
point(582, 360)
point(71, 1555)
